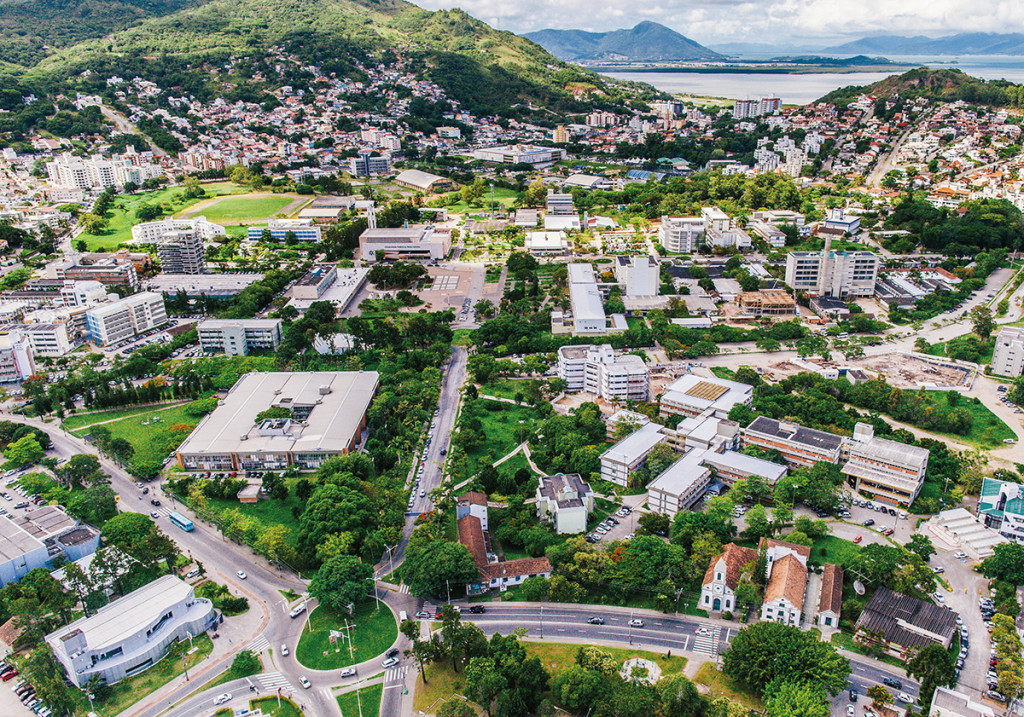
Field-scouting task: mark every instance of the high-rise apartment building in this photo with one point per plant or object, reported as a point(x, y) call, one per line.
point(840, 274)
point(1008, 356)
point(110, 323)
point(682, 235)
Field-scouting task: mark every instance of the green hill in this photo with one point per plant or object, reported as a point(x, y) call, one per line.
point(939, 84)
point(486, 70)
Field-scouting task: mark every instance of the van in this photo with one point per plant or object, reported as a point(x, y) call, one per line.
point(402, 617)
point(297, 610)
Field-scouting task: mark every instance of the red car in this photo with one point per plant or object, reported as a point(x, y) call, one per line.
point(858, 539)
point(9, 675)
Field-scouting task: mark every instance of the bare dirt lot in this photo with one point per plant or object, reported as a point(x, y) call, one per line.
point(905, 370)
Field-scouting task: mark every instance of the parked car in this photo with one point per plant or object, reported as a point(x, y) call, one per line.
point(222, 698)
point(868, 523)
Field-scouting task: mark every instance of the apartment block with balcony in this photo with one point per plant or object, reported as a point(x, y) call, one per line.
point(681, 235)
point(239, 337)
point(109, 323)
point(598, 370)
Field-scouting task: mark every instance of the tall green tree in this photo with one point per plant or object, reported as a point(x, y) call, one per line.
point(933, 667)
point(341, 581)
point(769, 651)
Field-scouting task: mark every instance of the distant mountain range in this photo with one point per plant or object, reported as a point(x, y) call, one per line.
point(647, 42)
point(973, 43)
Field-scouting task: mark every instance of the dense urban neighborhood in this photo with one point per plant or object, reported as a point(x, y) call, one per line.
point(356, 375)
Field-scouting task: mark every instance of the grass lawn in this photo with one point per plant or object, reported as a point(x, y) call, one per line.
point(242, 210)
point(987, 429)
point(142, 436)
point(442, 683)
point(374, 633)
point(366, 704)
point(80, 420)
point(269, 512)
point(121, 217)
point(500, 430)
point(845, 640)
point(557, 656)
point(127, 692)
point(462, 337)
point(722, 686)
point(939, 349)
point(836, 550)
point(503, 387)
point(268, 705)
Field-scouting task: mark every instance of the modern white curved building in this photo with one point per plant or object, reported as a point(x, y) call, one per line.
point(133, 633)
point(152, 232)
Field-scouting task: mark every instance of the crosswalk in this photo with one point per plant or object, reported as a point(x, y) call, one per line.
point(395, 674)
point(258, 645)
point(707, 644)
point(273, 681)
point(404, 589)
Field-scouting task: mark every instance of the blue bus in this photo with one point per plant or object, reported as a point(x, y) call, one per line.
point(182, 522)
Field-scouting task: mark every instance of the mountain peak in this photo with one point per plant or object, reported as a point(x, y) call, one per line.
point(646, 42)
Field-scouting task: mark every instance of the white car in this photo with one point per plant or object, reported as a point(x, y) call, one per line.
point(241, 575)
point(284, 650)
point(221, 699)
point(904, 697)
point(390, 662)
point(304, 682)
point(705, 631)
point(636, 622)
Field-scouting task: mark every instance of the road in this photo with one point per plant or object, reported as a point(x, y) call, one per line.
point(123, 125)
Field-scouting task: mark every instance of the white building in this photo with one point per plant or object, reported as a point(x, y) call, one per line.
point(693, 395)
point(96, 172)
point(743, 109)
point(640, 275)
point(415, 242)
point(304, 230)
point(559, 204)
point(839, 274)
point(950, 703)
point(838, 219)
point(885, 470)
point(474, 504)
point(110, 323)
point(680, 485)
point(130, 635)
point(718, 589)
point(787, 582)
point(16, 357)
point(586, 301)
point(51, 338)
point(153, 232)
point(181, 252)
point(84, 293)
point(681, 235)
point(519, 154)
point(565, 500)
point(597, 370)
point(626, 456)
point(547, 243)
point(334, 343)
point(1008, 356)
point(238, 337)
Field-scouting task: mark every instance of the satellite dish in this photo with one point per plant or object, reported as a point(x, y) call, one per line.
point(858, 587)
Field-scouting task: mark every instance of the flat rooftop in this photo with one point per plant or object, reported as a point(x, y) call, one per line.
point(45, 522)
point(247, 323)
point(315, 275)
point(195, 284)
point(795, 433)
point(15, 541)
point(336, 402)
point(636, 444)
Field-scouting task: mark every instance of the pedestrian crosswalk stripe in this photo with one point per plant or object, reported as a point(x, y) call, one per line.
point(258, 645)
point(403, 588)
point(395, 673)
point(707, 644)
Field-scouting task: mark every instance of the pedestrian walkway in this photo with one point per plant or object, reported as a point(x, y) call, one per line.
point(395, 674)
point(707, 644)
point(258, 645)
point(274, 681)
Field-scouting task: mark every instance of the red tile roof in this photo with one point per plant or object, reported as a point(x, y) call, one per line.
point(472, 536)
point(831, 589)
point(788, 580)
point(735, 558)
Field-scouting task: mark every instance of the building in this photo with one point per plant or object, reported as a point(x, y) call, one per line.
point(471, 512)
point(799, 446)
point(304, 230)
point(84, 293)
point(547, 243)
point(424, 181)
point(315, 282)
point(366, 165)
point(38, 538)
point(131, 634)
point(597, 370)
point(681, 485)
point(743, 109)
point(109, 323)
point(110, 271)
point(693, 395)
point(324, 282)
point(829, 308)
point(639, 275)
point(565, 500)
point(767, 302)
point(787, 581)
point(181, 252)
point(718, 589)
point(830, 605)
point(559, 204)
point(1008, 355)
point(334, 344)
point(420, 242)
point(731, 466)
point(218, 286)
point(17, 359)
point(519, 154)
point(625, 457)
point(96, 172)
point(839, 274)
point(153, 232)
point(901, 624)
point(950, 703)
point(51, 338)
point(681, 235)
point(957, 526)
point(588, 315)
point(239, 337)
point(1001, 507)
point(837, 219)
point(328, 416)
point(885, 470)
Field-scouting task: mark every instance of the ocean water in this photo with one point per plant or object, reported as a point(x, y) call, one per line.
point(801, 89)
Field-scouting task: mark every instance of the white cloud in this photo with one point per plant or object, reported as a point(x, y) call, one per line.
point(802, 22)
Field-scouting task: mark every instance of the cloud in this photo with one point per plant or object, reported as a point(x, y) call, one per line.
point(803, 22)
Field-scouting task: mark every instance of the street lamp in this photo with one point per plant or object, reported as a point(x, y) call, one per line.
point(373, 583)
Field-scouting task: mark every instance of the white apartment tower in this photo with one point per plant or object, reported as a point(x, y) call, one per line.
point(110, 323)
point(597, 370)
point(682, 235)
point(840, 274)
point(1008, 356)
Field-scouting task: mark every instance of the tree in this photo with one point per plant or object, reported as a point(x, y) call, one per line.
point(483, 682)
point(455, 707)
point(81, 469)
point(341, 581)
point(245, 663)
point(784, 698)
point(1006, 563)
point(24, 451)
point(933, 667)
point(921, 545)
point(879, 696)
point(654, 523)
point(423, 652)
point(577, 689)
point(769, 651)
point(433, 568)
point(982, 322)
point(758, 525)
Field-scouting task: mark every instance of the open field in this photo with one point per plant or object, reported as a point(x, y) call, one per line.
point(245, 209)
point(836, 550)
point(141, 431)
point(270, 511)
point(269, 706)
point(373, 632)
point(722, 686)
point(121, 218)
point(501, 430)
point(80, 420)
point(367, 704)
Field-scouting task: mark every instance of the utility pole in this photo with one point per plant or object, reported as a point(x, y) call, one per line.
point(541, 622)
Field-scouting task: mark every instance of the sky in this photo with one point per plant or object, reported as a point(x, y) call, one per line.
point(797, 22)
